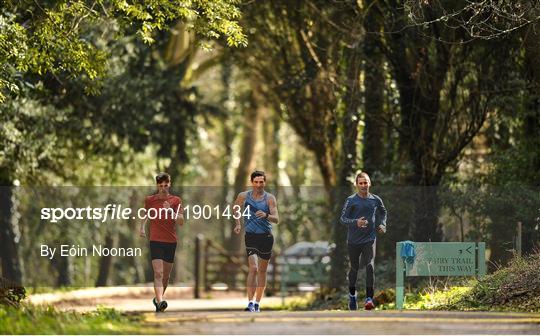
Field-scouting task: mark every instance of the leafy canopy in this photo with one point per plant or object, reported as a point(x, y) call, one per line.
point(53, 36)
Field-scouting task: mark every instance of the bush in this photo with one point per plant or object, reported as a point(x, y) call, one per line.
point(11, 293)
point(513, 288)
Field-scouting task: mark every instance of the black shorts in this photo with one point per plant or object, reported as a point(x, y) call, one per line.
point(163, 251)
point(259, 244)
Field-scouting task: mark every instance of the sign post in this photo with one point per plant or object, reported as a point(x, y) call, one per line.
point(439, 259)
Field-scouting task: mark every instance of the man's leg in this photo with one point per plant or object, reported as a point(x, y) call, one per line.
point(368, 261)
point(167, 268)
point(261, 279)
point(157, 266)
point(354, 256)
point(252, 276)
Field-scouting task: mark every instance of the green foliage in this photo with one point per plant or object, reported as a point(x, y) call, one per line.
point(513, 288)
point(27, 136)
point(11, 293)
point(326, 299)
point(53, 126)
point(12, 47)
point(306, 217)
point(431, 299)
point(516, 287)
point(47, 320)
point(39, 37)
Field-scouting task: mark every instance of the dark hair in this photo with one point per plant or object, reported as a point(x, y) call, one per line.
point(362, 174)
point(163, 177)
point(256, 174)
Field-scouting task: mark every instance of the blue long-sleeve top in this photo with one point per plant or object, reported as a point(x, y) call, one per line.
point(371, 208)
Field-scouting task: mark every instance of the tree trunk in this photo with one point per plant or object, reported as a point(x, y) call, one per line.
point(346, 168)
point(9, 247)
point(426, 215)
point(227, 136)
point(531, 43)
point(271, 143)
point(63, 266)
point(132, 238)
point(105, 263)
point(374, 150)
point(502, 233)
point(245, 165)
point(531, 130)
point(419, 110)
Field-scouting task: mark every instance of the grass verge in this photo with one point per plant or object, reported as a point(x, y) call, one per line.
point(512, 288)
point(29, 319)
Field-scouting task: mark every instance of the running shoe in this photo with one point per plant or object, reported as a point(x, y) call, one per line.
point(155, 304)
point(368, 304)
point(256, 308)
point(353, 305)
point(249, 307)
point(162, 306)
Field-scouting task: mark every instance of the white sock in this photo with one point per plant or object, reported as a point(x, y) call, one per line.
point(250, 301)
point(255, 302)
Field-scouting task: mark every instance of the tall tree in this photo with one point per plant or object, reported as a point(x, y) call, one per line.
point(445, 91)
point(347, 160)
point(512, 28)
point(309, 59)
point(374, 147)
point(51, 56)
point(296, 58)
point(227, 136)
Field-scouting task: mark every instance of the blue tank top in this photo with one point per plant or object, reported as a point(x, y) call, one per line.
point(254, 224)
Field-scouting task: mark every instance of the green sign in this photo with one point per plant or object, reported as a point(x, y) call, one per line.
point(437, 259)
point(445, 259)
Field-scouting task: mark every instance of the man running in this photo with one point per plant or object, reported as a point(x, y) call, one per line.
point(164, 211)
point(259, 240)
point(363, 213)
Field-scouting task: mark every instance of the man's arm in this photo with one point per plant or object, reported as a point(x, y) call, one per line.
point(142, 228)
point(240, 199)
point(273, 217)
point(381, 209)
point(343, 219)
point(180, 215)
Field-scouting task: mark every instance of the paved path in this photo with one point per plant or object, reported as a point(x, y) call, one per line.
point(139, 299)
point(344, 322)
point(145, 305)
point(221, 313)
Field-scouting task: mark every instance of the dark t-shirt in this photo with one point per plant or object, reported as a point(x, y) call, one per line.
point(371, 208)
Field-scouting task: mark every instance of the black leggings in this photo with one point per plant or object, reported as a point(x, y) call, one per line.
point(362, 255)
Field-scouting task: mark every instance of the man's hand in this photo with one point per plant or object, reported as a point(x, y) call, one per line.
point(180, 219)
point(381, 229)
point(260, 214)
point(237, 228)
point(361, 222)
